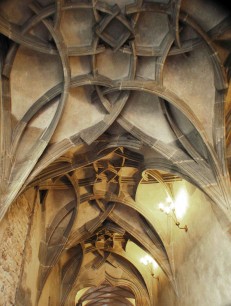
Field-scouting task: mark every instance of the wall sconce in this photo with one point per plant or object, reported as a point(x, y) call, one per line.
point(151, 264)
point(170, 211)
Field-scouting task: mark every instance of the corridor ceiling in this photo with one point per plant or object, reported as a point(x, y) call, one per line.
point(97, 99)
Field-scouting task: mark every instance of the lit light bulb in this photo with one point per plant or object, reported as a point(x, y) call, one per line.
point(143, 261)
point(148, 258)
point(152, 265)
point(155, 264)
point(181, 203)
point(172, 205)
point(167, 210)
point(177, 208)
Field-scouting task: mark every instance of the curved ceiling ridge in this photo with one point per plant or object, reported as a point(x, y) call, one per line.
point(99, 99)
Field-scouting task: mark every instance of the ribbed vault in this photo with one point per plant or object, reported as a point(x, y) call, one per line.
point(97, 99)
point(106, 294)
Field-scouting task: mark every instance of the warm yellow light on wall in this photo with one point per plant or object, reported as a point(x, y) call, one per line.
point(151, 264)
point(181, 203)
point(176, 209)
point(147, 259)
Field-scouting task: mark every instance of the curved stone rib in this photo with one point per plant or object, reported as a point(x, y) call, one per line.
point(84, 4)
point(219, 74)
point(88, 229)
point(92, 225)
point(58, 13)
point(18, 35)
point(181, 137)
point(181, 105)
point(165, 47)
point(140, 284)
point(172, 9)
point(28, 25)
point(86, 50)
point(50, 248)
point(157, 241)
point(14, 33)
point(137, 287)
point(125, 153)
point(186, 46)
point(176, 4)
point(70, 273)
point(139, 297)
point(45, 13)
point(131, 76)
point(218, 159)
point(78, 236)
point(99, 299)
point(133, 62)
point(228, 127)
point(156, 253)
point(164, 93)
point(79, 162)
point(161, 91)
point(153, 88)
point(104, 289)
point(31, 112)
point(5, 111)
point(97, 154)
point(156, 175)
point(87, 197)
point(211, 189)
point(8, 63)
point(220, 84)
point(151, 233)
point(38, 148)
point(109, 299)
point(171, 99)
point(7, 159)
point(160, 51)
point(214, 34)
point(202, 177)
point(135, 265)
point(51, 94)
point(54, 92)
point(141, 6)
point(129, 202)
point(101, 258)
point(91, 134)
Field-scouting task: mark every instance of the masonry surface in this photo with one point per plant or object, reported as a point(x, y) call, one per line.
point(109, 111)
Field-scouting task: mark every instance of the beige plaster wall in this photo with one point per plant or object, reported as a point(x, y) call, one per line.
point(204, 278)
point(13, 233)
point(202, 258)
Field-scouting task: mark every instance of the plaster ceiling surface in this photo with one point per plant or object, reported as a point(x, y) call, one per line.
point(98, 100)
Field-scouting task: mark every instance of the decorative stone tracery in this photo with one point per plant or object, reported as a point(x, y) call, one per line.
point(98, 98)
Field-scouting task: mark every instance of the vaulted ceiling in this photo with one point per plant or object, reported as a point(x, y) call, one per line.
point(99, 99)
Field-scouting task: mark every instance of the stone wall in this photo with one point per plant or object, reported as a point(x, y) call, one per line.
point(13, 233)
point(203, 268)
